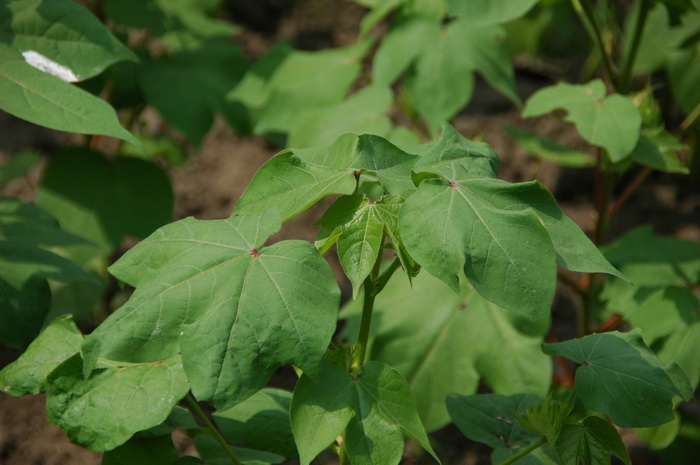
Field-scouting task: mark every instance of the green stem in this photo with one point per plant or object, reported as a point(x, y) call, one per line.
point(691, 119)
point(358, 358)
point(212, 429)
point(584, 10)
point(626, 76)
point(525, 451)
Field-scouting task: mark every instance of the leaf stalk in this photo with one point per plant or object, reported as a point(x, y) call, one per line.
point(212, 429)
point(584, 10)
point(626, 76)
point(540, 442)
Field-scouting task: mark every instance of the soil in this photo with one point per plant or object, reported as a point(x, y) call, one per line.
point(208, 186)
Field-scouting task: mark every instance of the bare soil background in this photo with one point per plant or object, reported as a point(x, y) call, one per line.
point(209, 185)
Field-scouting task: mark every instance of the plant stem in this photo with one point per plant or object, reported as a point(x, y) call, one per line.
point(358, 358)
point(691, 119)
point(626, 76)
point(212, 429)
point(584, 10)
point(525, 451)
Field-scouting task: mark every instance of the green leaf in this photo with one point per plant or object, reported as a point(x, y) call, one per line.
point(353, 222)
point(213, 454)
point(259, 316)
point(115, 206)
point(622, 378)
point(294, 180)
point(251, 421)
point(683, 70)
point(549, 150)
point(590, 443)
point(480, 12)
point(506, 254)
point(300, 82)
point(611, 122)
point(105, 409)
point(387, 210)
point(290, 185)
point(461, 341)
point(43, 99)
point(376, 405)
point(657, 148)
point(64, 32)
point(27, 375)
point(201, 79)
point(492, 418)
point(31, 244)
point(401, 46)
point(453, 152)
point(143, 451)
point(362, 112)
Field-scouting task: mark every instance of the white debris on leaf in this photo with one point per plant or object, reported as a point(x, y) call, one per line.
point(47, 65)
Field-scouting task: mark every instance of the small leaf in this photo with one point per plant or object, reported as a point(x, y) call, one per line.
point(622, 378)
point(611, 122)
point(27, 375)
point(657, 148)
point(43, 99)
point(359, 236)
point(251, 421)
point(104, 410)
point(376, 406)
point(492, 418)
point(590, 443)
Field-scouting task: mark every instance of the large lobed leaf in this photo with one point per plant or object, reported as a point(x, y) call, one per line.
point(234, 310)
point(621, 377)
point(611, 122)
point(376, 407)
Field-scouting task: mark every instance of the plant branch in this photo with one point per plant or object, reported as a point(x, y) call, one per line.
point(691, 119)
point(525, 451)
point(629, 190)
point(584, 10)
point(212, 429)
point(626, 76)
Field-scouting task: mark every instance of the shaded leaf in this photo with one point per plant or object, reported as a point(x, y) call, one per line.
point(611, 122)
point(235, 311)
point(27, 375)
point(376, 405)
point(490, 11)
point(657, 148)
point(251, 421)
point(548, 149)
point(114, 207)
point(143, 451)
point(105, 409)
point(462, 340)
point(622, 378)
point(213, 454)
